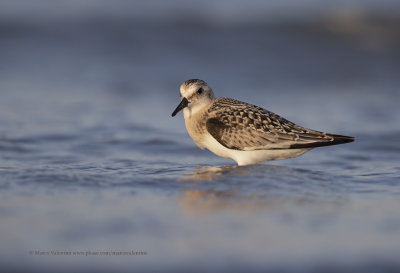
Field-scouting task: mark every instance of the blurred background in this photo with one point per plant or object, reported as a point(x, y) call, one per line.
point(280, 54)
point(90, 158)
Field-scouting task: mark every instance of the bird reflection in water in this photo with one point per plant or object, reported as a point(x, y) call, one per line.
point(214, 173)
point(228, 192)
point(211, 173)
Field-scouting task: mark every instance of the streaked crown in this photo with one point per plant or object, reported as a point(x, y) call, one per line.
point(195, 87)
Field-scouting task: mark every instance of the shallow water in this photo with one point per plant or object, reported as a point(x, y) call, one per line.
point(90, 159)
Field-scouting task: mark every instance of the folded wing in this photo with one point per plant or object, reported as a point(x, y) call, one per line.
point(241, 126)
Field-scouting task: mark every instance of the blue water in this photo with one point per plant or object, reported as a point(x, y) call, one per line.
point(91, 160)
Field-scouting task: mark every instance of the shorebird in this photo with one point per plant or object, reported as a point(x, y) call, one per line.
point(243, 132)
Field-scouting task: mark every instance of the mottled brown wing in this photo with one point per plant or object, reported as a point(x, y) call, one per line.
point(241, 126)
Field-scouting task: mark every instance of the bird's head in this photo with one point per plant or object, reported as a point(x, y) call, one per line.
point(195, 94)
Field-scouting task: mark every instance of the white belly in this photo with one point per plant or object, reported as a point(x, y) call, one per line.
point(248, 157)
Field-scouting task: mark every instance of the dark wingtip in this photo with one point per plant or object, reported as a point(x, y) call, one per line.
point(337, 139)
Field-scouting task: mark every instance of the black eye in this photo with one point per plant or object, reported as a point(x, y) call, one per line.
point(200, 91)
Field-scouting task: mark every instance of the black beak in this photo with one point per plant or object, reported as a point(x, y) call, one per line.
point(183, 104)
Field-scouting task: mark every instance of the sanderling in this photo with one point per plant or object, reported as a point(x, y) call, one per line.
point(243, 132)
